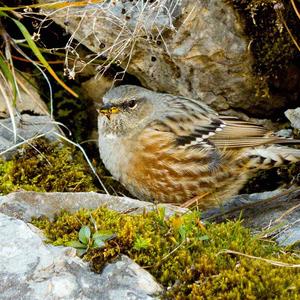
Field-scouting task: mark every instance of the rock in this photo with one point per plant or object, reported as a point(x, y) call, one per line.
point(287, 133)
point(174, 47)
point(294, 117)
point(28, 127)
point(25, 205)
point(260, 210)
point(124, 279)
point(276, 212)
point(30, 269)
point(96, 87)
point(29, 100)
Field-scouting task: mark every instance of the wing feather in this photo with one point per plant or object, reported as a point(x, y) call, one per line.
point(194, 124)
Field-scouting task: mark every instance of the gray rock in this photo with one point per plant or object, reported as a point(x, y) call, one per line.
point(30, 269)
point(294, 117)
point(25, 205)
point(96, 87)
point(28, 100)
point(276, 213)
point(174, 47)
point(287, 133)
point(28, 128)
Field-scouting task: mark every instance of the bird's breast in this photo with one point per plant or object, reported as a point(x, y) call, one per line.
point(114, 154)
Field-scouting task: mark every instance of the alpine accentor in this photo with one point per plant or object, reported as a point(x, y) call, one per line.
point(169, 148)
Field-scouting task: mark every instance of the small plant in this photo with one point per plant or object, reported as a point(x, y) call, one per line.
point(141, 243)
point(87, 240)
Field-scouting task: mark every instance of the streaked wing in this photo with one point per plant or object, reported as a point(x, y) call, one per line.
point(195, 125)
point(239, 134)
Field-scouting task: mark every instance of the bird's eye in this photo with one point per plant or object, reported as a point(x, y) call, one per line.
point(132, 104)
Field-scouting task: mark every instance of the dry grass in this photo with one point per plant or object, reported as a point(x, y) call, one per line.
point(129, 23)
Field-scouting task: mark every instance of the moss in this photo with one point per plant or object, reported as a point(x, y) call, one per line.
point(184, 255)
point(40, 166)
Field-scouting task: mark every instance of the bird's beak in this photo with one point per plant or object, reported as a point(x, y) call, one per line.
point(108, 110)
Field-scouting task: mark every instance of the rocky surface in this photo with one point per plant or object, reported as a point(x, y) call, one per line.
point(28, 100)
point(28, 127)
point(277, 213)
point(174, 47)
point(294, 117)
point(96, 87)
point(25, 205)
point(30, 269)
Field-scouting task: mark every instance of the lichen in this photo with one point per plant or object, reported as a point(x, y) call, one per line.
point(184, 255)
point(51, 167)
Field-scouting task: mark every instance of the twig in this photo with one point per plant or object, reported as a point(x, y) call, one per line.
point(269, 261)
point(295, 9)
point(287, 212)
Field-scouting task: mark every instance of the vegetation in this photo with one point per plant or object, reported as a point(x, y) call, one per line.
point(45, 167)
point(190, 259)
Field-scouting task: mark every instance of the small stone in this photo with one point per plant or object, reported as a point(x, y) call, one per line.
point(294, 117)
point(96, 87)
point(287, 133)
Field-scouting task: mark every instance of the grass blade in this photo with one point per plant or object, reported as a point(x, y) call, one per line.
point(9, 76)
point(53, 5)
point(7, 100)
point(41, 58)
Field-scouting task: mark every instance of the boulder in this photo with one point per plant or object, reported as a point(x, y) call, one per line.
point(31, 269)
point(172, 46)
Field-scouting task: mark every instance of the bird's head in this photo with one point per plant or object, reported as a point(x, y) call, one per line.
point(125, 110)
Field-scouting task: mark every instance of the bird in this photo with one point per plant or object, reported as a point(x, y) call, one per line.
point(171, 149)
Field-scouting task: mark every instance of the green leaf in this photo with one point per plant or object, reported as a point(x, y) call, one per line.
point(104, 235)
point(98, 243)
point(76, 244)
point(81, 252)
point(182, 232)
point(84, 234)
point(39, 55)
point(203, 238)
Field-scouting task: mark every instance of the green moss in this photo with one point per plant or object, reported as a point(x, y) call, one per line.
point(184, 255)
point(45, 167)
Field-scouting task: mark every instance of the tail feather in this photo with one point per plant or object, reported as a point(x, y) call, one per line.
point(272, 156)
point(285, 141)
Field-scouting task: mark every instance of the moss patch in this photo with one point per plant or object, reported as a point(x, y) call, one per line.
point(54, 167)
point(185, 256)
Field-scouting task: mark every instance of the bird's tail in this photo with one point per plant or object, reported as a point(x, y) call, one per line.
point(267, 157)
